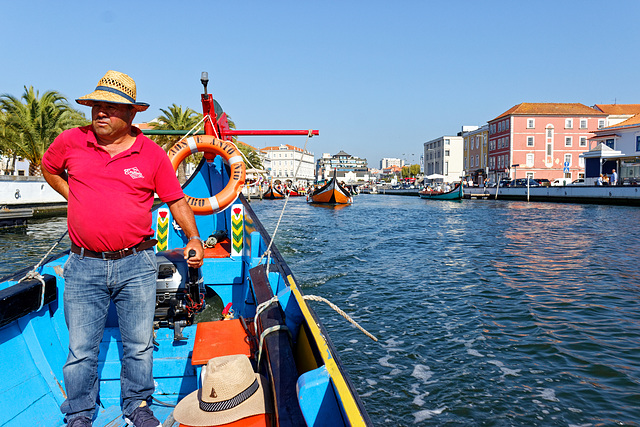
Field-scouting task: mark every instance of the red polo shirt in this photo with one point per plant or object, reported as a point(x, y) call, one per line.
point(110, 198)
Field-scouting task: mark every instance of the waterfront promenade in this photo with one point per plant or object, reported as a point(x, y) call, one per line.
point(608, 195)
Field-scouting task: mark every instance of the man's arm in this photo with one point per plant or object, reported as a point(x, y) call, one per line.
point(57, 182)
point(183, 214)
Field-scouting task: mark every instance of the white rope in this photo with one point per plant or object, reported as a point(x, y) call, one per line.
point(286, 200)
point(262, 306)
point(340, 312)
point(33, 274)
point(266, 332)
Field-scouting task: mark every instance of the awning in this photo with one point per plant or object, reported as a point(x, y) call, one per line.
point(605, 136)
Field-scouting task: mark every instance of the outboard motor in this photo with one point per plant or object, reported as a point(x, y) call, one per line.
point(178, 293)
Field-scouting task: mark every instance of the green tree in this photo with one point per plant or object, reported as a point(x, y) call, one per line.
point(28, 125)
point(175, 118)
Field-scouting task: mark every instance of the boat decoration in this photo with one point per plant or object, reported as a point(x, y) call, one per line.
point(453, 194)
point(269, 319)
point(333, 192)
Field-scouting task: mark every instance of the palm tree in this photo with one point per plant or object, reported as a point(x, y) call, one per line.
point(27, 129)
point(175, 118)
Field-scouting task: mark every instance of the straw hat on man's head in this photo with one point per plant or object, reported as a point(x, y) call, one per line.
point(230, 391)
point(114, 87)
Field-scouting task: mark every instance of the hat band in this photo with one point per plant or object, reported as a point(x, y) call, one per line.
point(117, 92)
point(228, 404)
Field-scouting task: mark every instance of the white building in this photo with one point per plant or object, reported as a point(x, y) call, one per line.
point(290, 163)
point(18, 168)
point(444, 156)
point(388, 162)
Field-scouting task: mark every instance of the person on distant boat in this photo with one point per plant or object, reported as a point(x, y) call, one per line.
point(614, 177)
point(599, 181)
point(108, 171)
point(605, 179)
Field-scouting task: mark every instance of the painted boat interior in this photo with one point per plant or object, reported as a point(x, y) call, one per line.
point(307, 381)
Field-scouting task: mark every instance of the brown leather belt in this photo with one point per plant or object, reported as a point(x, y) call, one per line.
point(114, 254)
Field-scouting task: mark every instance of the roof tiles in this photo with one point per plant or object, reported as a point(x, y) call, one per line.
point(550, 109)
point(619, 108)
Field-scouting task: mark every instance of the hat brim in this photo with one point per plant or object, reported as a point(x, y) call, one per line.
point(188, 411)
point(103, 96)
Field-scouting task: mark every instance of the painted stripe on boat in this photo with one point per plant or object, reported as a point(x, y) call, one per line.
point(346, 397)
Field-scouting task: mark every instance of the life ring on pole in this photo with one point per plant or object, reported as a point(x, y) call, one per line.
point(230, 154)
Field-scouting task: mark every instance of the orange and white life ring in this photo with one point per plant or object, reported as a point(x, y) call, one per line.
point(230, 154)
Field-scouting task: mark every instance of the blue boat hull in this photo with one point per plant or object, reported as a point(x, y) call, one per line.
point(309, 387)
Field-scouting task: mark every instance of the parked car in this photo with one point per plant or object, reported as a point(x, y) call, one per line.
point(561, 181)
point(579, 181)
point(505, 182)
point(522, 182)
point(543, 181)
point(491, 184)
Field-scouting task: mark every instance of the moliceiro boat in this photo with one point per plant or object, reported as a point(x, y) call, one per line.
point(454, 194)
point(274, 193)
point(333, 192)
point(266, 316)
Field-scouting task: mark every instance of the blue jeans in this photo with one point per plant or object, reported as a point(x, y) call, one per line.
point(90, 285)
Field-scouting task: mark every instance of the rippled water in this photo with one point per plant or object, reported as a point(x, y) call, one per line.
point(488, 312)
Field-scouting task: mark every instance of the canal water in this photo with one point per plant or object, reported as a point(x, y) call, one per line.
point(487, 312)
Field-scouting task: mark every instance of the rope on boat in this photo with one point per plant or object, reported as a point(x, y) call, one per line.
point(267, 252)
point(33, 274)
point(262, 307)
point(341, 313)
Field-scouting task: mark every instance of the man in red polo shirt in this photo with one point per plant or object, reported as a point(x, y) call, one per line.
point(109, 172)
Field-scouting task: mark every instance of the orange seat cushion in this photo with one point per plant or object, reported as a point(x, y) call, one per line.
point(219, 338)
point(220, 250)
point(253, 421)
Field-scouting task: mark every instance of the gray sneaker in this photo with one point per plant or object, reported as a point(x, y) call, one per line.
point(142, 417)
point(80, 422)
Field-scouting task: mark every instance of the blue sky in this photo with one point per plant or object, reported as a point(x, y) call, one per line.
point(377, 78)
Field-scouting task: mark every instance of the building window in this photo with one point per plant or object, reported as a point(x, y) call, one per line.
point(477, 160)
point(568, 123)
point(567, 159)
point(600, 123)
point(531, 123)
point(549, 132)
point(529, 141)
point(530, 158)
point(568, 141)
point(583, 141)
point(446, 168)
point(446, 152)
point(583, 123)
point(637, 143)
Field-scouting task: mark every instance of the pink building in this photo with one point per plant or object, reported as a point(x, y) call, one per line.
point(541, 140)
